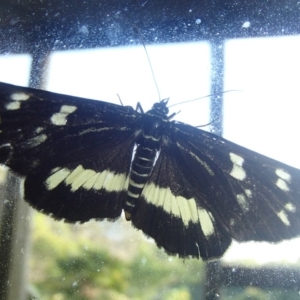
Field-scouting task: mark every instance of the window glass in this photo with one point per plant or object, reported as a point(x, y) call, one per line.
point(112, 260)
point(15, 69)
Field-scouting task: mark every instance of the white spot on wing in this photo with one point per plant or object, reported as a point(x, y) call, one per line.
point(16, 97)
point(37, 140)
point(242, 201)
point(13, 105)
point(180, 207)
point(248, 193)
point(290, 207)
point(282, 185)
point(60, 118)
point(19, 96)
point(237, 169)
point(283, 175)
point(39, 129)
point(67, 109)
point(283, 180)
point(283, 217)
point(236, 159)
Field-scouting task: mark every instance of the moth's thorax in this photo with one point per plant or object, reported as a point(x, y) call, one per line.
point(151, 131)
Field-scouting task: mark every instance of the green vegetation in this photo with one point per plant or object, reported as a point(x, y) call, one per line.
point(109, 261)
point(113, 261)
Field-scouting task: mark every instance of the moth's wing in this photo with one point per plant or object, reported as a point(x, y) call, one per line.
point(170, 211)
point(74, 153)
point(254, 197)
point(205, 190)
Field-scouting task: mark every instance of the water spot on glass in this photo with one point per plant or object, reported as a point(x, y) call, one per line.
point(84, 30)
point(246, 24)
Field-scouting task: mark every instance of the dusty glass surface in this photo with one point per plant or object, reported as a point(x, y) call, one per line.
point(83, 54)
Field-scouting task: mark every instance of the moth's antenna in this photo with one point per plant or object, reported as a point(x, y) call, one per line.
point(120, 99)
point(149, 61)
point(205, 125)
point(195, 99)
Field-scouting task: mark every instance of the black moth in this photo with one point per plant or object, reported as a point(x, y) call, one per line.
point(191, 191)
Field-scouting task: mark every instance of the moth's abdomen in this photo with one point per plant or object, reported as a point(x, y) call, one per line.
point(142, 165)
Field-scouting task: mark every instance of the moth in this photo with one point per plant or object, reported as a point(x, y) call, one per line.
point(188, 189)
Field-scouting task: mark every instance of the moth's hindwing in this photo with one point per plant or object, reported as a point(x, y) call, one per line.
point(171, 206)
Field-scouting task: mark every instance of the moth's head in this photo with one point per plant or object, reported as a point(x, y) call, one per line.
point(161, 107)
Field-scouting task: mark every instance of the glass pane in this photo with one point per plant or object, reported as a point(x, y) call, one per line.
point(263, 116)
point(104, 260)
point(15, 69)
point(182, 72)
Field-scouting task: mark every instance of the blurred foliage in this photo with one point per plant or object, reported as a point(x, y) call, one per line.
point(255, 293)
point(114, 261)
point(109, 261)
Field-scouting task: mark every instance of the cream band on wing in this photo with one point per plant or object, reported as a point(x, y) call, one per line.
point(87, 179)
point(180, 207)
